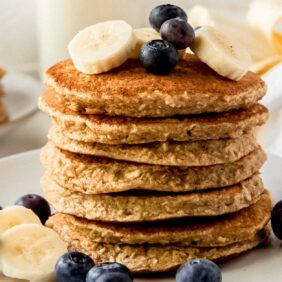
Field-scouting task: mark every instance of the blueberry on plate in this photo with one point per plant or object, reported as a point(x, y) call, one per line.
point(178, 32)
point(199, 270)
point(37, 204)
point(162, 13)
point(73, 267)
point(158, 56)
point(276, 220)
point(108, 272)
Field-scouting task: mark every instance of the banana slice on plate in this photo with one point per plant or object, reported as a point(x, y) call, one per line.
point(15, 215)
point(143, 35)
point(221, 53)
point(30, 251)
point(102, 47)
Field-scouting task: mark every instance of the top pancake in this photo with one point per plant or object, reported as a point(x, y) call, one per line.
point(200, 232)
point(191, 88)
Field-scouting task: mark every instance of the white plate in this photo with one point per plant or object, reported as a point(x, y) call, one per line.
point(21, 95)
point(20, 175)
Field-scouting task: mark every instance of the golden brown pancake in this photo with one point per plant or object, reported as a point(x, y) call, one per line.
point(118, 130)
point(191, 88)
point(155, 258)
point(165, 250)
point(95, 175)
point(197, 232)
point(196, 153)
point(139, 206)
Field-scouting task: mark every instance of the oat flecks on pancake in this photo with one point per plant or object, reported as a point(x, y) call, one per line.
point(136, 206)
point(118, 130)
point(131, 91)
point(201, 232)
point(197, 153)
point(94, 175)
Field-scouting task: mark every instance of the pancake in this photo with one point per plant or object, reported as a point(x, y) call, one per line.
point(152, 258)
point(204, 232)
point(95, 175)
point(138, 206)
point(119, 130)
point(191, 88)
point(196, 153)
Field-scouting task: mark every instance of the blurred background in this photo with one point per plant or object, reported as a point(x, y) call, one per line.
point(35, 34)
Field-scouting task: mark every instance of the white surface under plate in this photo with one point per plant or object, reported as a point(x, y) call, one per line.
point(21, 95)
point(20, 175)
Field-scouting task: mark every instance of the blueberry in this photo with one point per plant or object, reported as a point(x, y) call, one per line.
point(199, 270)
point(178, 32)
point(37, 204)
point(107, 272)
point(158, 56)
point(162, 13)
point(276, 220)
point(73, 267)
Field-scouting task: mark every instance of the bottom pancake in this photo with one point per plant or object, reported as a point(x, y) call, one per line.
point(196, 232)
point(163, 246)
point(153, 258)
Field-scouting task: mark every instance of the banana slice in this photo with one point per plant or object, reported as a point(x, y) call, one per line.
point(253, 39)
point(143, 35)
point(102, 47)
point(15, 215)
point(221, 53)
point(30, 251)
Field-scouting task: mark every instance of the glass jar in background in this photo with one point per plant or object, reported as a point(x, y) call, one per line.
point(59, 20)
point(18, 50)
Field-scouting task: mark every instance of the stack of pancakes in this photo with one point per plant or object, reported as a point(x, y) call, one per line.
point(3, 113)
point(153, 170)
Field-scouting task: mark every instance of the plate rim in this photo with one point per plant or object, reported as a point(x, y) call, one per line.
point(33, 108)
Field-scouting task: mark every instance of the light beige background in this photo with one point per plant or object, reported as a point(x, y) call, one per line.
point(19, 37)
